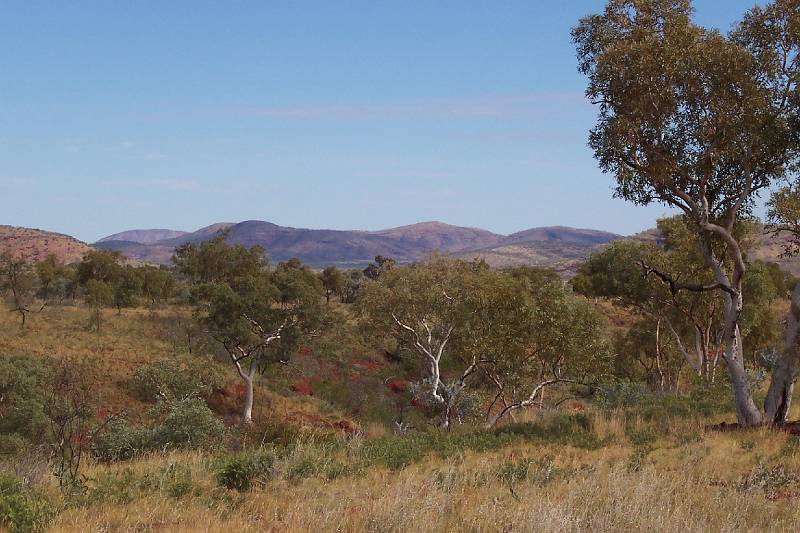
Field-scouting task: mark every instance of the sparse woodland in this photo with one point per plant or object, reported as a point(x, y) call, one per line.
point(651, 391)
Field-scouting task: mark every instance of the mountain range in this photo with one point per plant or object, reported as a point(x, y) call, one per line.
point(559, 247)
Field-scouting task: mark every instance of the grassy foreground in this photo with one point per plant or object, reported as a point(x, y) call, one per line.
point(579, 469)
point(612, 481)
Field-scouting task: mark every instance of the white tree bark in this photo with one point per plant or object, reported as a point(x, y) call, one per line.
point(779, 395)
point(531, 400)
point(239, 355)
point(746, 411)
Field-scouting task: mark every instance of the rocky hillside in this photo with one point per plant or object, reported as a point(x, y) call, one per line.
point(558, 247)
point(35, 245)
point(144, 236)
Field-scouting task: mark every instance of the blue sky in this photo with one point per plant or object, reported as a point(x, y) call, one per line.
point(343, 115)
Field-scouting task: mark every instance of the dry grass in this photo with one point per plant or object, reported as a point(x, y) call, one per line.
point(693, 487)
point(666, 475)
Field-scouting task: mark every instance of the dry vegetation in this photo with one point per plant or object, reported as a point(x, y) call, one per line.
point(35, 245)
point(670, 484)
point(577, 470)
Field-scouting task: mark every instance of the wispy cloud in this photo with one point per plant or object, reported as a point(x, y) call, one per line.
point(15, 181)
point(169, 184)
point(488, 106)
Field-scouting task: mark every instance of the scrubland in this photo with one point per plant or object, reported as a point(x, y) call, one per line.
point(583, 467)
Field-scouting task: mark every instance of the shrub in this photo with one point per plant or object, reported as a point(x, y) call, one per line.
point(22, 508)
point(23, 386)
point(622, 395)
point(237, 471)
point(123, 487)
point(176, 378)
point(187, 423)
point(396, 453)
point(121, 441)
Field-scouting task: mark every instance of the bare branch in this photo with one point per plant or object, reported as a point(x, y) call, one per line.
point(676, 286)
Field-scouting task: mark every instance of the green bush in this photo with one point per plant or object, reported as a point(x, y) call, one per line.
point(24, 382)
point(398, 452)
point(622, 395)
point(176, 378)
point(237, 471)
point(122, 441)
point(189, 423)
point(123, 487)
point(22, 508)
point(638, 401)
point(186, 423)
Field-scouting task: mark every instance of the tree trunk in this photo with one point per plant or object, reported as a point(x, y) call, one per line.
point(247, 414)
point(779, 396)
point(747, 414)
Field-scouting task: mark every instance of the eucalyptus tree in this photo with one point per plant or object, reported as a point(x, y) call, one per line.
point(697, 121)
point(429, 308)
point(17, 285)
point(256, 313)
point(554, 338)
point(516, 332)
point(56, 280)
point(333, 282)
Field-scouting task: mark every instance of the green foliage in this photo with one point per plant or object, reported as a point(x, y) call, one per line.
point(158, 285)
point(237, 471)
point(176, 378)
point(127, 287)
point(252, 310)
point(455, 317)
point(100, 265)
point(705, 399)
point(122, 487)
point(189, 423)
point(56, 280)
point(622, 394)
point(17, 285)
point(24, 382)
point(107, 281)
point(379, 266)
point(258, 315)
point(185, 423)
point(333, 281)
point(99, 293)
point(399, 452)
point(22, 508)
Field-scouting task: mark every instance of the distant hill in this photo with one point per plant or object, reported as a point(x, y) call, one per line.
point(144, 236)
point(557, 246)
point(35, 244)
point(563, 234)
point(439, 236)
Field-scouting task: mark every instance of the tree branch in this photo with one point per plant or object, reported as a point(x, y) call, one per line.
point(676, 286)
